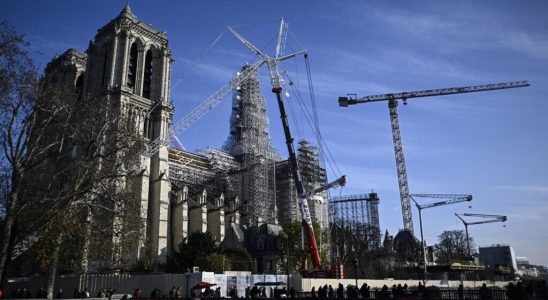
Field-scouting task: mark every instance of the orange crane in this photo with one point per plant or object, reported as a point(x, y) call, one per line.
point(492, 219)
point(303, 195)
point(396, 136)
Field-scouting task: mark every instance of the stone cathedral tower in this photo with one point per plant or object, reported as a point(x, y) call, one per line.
point(129, 63)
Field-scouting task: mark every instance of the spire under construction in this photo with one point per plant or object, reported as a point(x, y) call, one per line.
point(249, 143)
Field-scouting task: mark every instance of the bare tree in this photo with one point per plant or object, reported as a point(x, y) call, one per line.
point(18, 91)
point(94, 176)
point(70, 161)
point(452, 247)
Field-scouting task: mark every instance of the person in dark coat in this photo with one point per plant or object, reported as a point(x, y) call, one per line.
point(292, 292)
point(484, 292)
point(340, 291)
point(320, 292)
point(460, 292)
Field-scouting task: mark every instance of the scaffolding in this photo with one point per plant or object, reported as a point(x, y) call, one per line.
point(358, 214)
point(314, 176)
point(249, 143)
point(189, 169)
point(286, 194)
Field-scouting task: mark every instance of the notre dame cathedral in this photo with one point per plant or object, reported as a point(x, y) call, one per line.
point(240, 193)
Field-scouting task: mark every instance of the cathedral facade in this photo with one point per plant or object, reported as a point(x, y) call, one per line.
point(227, 191)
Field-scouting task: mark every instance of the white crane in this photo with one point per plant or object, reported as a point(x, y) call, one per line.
point(396, 136)
point(490, 219)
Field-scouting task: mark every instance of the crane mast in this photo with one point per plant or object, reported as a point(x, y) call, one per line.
point(392, 99)
point(400, 166)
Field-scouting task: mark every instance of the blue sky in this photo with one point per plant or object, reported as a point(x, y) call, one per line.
point(492, 145)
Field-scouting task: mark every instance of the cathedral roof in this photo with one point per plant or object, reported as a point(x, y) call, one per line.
point(234, 237)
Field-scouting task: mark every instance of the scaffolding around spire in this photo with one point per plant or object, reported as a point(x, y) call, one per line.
point(249, 143)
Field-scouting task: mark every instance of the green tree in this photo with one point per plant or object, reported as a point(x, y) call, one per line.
point(198, 250)
point(289, 249)
point(237, 259)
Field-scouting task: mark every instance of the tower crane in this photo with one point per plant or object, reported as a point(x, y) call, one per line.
point(396, 136)
point(491, 219)
point(450, 199)
point(277, 83)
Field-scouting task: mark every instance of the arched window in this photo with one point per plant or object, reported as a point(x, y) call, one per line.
point(147, 78)
point(185, 194)
point(132, 66)
point(105, 61)
point(203, 198)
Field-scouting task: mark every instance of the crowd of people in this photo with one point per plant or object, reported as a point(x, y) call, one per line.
point(520, 291)
point(363, 292)
point(515, 291)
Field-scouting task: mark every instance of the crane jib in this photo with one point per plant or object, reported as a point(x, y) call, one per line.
point(434, 92)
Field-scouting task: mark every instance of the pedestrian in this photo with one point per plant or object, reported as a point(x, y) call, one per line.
point(340, 291)
point(385, 294)
point(363, 291)
point(420, 289)
point(156, 294)
point(484, 292)
point(59, 294)
point(460, 292)
point(172, 293)
point(292, 292)
point(313, 292)
point(320, 292)
point(138, 293)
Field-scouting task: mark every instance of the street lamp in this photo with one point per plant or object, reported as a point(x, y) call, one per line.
point(356, 269)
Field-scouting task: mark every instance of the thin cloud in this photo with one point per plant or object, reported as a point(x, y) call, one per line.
point(524, 188)
point(526, 43)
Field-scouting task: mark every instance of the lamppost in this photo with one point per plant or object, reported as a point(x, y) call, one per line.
point(356, 269)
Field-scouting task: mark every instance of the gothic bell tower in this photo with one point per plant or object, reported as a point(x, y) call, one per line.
point(129, 65)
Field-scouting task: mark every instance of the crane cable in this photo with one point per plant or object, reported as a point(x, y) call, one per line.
point(195, 62)
point(319, 137)
point(331, 162)
point(320, 140)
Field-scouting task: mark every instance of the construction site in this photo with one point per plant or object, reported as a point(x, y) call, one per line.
point(246, 193)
